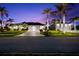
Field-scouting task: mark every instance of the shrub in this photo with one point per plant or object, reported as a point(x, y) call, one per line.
point(77, 27)
point(7, 29)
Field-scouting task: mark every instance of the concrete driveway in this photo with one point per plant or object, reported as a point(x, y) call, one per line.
point(31, 33)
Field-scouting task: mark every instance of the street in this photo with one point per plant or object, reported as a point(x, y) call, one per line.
point(32, 44)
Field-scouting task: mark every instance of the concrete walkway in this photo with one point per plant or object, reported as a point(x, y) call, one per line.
point(31, 33)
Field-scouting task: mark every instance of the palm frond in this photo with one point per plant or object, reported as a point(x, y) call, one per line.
point(3, 12)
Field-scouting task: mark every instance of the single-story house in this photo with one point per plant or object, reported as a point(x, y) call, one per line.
point(32, 26)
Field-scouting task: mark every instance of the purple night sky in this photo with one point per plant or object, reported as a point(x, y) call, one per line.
point(29, 12)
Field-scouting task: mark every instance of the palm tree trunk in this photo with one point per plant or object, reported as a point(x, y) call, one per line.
point(2, 23)
point(63, 23)
point(47, 24)
point(60, 25)
point(74, 26)
point(60, 21)
point(56, 27)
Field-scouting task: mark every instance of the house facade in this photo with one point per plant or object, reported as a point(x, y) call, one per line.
point(67, 26)
point(31, 26)
point(35, 26)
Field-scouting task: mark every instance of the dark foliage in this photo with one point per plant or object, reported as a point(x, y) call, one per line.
point(77, 27)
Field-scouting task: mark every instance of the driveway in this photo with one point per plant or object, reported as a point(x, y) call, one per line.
point(31, 33)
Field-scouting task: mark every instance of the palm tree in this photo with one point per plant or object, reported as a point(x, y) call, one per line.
point(75, 19)
point(54, 23)
point(47, 13)
point(0, 22)
point(10, 21)
point(62, 10)
point(3, 12)
point(57, 13)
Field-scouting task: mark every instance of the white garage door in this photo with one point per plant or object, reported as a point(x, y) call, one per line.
point(33, 28)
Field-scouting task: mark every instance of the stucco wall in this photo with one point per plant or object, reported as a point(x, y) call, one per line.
point(67, 27)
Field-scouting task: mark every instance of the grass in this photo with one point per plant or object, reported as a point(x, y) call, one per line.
point(61, 34)
point(10, 33)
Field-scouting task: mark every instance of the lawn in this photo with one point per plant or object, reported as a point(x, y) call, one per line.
point(10, 33)
point(61, 34)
